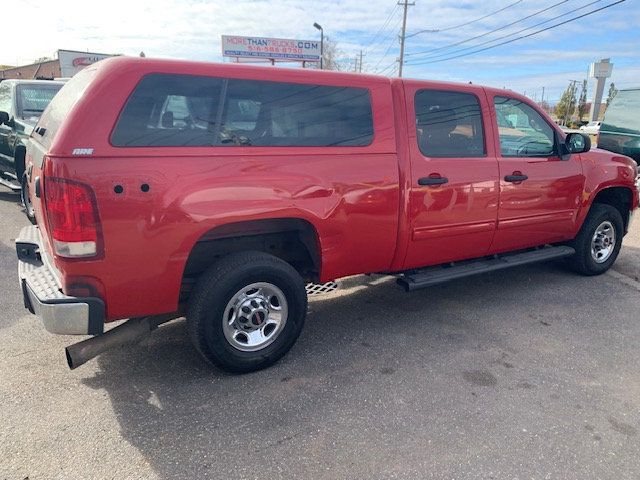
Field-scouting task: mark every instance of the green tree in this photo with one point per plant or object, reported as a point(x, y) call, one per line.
point(613, 91)
point(582, 103)
point(567, 104)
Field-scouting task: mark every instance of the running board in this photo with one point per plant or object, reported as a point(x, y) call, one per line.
point(453, 271)
point(7, 179)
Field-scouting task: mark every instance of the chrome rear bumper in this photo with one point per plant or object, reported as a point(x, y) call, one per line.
point(42, 292)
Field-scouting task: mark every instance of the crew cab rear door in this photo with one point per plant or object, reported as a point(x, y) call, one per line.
point(453, 192)
point(539, 191)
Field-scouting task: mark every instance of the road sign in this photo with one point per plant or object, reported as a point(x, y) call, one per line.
point(601, 69)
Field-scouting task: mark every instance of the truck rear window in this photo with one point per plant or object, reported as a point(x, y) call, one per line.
point(183, 110)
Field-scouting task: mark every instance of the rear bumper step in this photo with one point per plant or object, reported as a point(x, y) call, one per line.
point(42, 292)
point(445, 273)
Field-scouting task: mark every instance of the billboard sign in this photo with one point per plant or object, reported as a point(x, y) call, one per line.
point(283, 49)
point(72, 62)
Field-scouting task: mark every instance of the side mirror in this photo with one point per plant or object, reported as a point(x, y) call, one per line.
point(577, 142)
point(4, 117)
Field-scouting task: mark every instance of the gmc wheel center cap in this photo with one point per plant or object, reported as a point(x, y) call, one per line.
point(258, 317)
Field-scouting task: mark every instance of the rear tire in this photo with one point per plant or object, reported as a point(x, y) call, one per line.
point(26, 201)
point(598, 242)
point(246, 311)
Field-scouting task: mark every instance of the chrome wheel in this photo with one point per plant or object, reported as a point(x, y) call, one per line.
point(603, 242)
point(255, 316)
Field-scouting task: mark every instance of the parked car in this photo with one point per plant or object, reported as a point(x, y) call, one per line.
point(21, 104)
point(591, 128)
point(217, 191)
point(620, 130)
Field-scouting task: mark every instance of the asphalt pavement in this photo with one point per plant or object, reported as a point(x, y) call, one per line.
point(529, 374)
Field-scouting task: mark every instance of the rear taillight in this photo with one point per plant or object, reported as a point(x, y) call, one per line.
point(72, 213)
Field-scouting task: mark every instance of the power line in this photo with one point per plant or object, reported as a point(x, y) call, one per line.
point(391, 66)
point(523, 36)
point(371, 44)
point(384, 56)
point(489, 32)
point(427, 57)
point(393, 41)
point(466, 23)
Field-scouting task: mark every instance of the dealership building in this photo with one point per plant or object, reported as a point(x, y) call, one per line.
point(66, 64)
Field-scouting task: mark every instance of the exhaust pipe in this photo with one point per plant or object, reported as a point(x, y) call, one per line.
point(126, 333)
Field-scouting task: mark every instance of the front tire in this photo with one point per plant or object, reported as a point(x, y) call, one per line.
point(247, 311)
point(599, 240)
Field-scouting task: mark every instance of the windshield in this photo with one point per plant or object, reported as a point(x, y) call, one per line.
point(34, 98)
point(623, 114)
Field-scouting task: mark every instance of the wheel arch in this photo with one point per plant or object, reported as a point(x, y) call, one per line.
point(619, 197)
point(294, 240)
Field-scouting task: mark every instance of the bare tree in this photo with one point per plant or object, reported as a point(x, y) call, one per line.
point(544, 105)
point(330, 54)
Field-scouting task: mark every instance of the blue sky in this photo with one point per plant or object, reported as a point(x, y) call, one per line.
point(191, 29)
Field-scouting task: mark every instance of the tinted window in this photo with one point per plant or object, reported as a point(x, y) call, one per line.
point(449, 124)
point(523, 132)
point(623, 113)
point(32, 99)
point(181, 110)
point(170, 110)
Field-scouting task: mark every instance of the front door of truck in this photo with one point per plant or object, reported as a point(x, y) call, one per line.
point(539, 191)
point(5, 130)
point(453, 192)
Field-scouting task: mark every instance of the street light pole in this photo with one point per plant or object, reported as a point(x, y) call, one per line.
point(321, 43)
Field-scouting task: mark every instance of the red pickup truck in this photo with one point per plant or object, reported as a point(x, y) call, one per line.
point(217, 192)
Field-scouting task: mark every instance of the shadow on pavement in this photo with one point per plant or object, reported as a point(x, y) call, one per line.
point(9, 196)
point(365, 365)
point(628, 262)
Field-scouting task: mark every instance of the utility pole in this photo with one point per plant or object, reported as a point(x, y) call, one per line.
point(360, 63)
point(542, 99)
point(405, 4)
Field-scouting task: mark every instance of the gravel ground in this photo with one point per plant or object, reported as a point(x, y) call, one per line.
point(529, 374)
